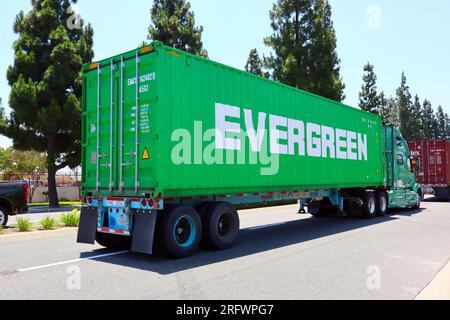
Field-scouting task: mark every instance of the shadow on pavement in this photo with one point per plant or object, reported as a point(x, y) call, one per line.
point(251, 241)
point(435, 199)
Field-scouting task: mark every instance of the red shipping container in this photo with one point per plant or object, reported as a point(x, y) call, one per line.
point(434, 158)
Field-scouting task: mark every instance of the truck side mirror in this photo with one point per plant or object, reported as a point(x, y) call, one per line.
point(415, 164)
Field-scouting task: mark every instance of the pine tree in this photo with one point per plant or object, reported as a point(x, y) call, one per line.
point(173, 23)
point(404, 106)
point(394, 114)
point(46, 86)
point(441, 123)
point(447, 127)
point(254, 64)
point(368, 97)
point(429, 125)
point(304, 45)
point(383, 107)
point(415, 121)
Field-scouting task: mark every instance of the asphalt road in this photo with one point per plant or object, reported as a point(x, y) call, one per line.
point(279, 255)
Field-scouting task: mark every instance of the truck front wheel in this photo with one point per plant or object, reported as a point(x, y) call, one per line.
point(220, 225)
point(179, 231)
point(4, 212)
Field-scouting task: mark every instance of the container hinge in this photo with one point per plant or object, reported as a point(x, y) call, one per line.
point(103, 155)
point(126, 164)
point(106, 165)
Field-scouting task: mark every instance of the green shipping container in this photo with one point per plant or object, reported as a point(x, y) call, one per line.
point(163, 122)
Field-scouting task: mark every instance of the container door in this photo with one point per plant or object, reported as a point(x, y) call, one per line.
point(99, 132)
point(136, 140)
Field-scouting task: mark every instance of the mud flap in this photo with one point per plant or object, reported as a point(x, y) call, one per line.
point(144, 232)
point(88, 225)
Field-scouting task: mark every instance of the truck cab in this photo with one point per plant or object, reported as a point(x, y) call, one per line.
point(400, 171)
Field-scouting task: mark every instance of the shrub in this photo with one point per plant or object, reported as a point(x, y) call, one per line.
point(71, 219)
point(24, 224)
point(48, 223)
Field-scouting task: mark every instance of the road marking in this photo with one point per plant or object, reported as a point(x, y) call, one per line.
point(268, 226)
point(71, 261)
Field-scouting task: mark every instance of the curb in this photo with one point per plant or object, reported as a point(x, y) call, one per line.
point(439, 287)
point(32, 235)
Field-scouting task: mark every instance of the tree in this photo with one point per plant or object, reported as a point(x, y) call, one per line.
point(173, 23)
point(304, 46)
point(441, 119)
point(23, 165)
point(368, 97)
point(394, 114)
point(404, 106)
point(429, 123)
point(254, 64)
point(415, 121)
point(383, 107)
point(46, 85)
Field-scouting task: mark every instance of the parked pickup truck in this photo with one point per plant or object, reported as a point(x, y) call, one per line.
point(13, 200)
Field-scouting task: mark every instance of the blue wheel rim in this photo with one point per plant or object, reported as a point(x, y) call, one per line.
point(184, 231)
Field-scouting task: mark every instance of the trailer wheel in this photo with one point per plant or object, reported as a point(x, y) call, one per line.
point(220, 225)
point(112, 241)
point(382, 203)
point(4, 212)
point(179, 231)
point(369, 209)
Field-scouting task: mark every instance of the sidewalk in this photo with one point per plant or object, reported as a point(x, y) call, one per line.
point(439, 287)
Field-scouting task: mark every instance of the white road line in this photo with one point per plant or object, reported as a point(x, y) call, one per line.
point(267, 226)
point(71, 261)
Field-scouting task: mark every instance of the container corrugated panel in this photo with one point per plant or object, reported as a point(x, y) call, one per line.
point(189, 109)
point(434, 158)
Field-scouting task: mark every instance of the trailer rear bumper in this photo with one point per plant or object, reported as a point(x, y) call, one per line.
point(118, 218)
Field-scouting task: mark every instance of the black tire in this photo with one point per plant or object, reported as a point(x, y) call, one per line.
point(382, 203)
point(321, 209)
point(369, 209)
point(418, 200)
point(220, 225)
point(4, 213)
point(112, 241)
point(178, 231)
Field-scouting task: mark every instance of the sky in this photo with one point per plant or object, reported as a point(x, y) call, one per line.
point(402, 35)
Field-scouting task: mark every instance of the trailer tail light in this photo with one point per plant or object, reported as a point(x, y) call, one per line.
point(144, 203)
point(151, 203)
point(25, 189)
point(90, 200)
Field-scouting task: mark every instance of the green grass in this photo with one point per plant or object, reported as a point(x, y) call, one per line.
point(48, 223)
point(2, 229)
point(65, 204)
point(24, 224)
point(71, 219)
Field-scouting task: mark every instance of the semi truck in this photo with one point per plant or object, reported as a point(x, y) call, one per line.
point(172, 143)
point(434, 171)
